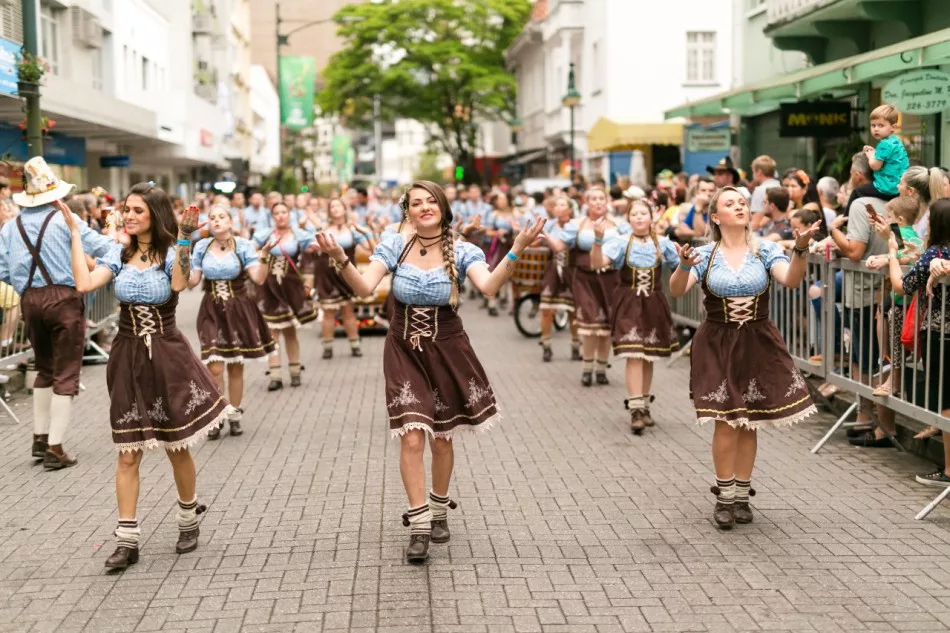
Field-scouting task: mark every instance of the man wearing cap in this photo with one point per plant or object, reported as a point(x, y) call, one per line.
point(724, 173)
point(35, 260)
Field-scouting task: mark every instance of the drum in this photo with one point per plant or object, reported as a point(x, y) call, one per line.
point(531, 266)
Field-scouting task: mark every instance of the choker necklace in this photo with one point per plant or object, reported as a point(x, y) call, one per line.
point(224, 246)
point(423, 250)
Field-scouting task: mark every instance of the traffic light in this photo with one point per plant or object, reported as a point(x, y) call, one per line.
point(304, 189)
point(460, 173)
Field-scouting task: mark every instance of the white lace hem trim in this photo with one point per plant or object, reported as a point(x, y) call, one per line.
point(586, 331)
point(188, 442)
point(754, 425)
point(641, 356)
point(481, 427)
point(556, 307)
point(214, 358)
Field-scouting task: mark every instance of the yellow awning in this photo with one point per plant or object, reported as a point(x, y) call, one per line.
point(609, 136)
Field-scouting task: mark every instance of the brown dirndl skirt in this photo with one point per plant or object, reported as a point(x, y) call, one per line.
point(556, 288)
point(641, 325)
point(161, 395)
point(230, 325)
point(283, 299)
point(593, 296)
point(745, 376)
point(434, 381)
point(332, 291)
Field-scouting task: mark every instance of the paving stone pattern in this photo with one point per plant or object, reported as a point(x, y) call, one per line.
point(566, 521)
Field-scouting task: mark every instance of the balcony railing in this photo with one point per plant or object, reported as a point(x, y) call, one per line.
point(779, 11)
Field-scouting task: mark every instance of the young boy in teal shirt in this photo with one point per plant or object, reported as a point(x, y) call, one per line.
point(888, 160)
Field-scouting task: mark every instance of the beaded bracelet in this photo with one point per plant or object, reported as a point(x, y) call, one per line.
point(184, 242)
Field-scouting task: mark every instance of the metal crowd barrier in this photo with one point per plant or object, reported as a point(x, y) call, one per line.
point(101, 316)
point(836, 327)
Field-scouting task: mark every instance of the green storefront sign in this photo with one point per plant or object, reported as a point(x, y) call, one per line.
point(918, 92)
point(297, 87)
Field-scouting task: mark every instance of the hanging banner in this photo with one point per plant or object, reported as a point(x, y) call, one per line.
point(297, 90)
point(918, 92)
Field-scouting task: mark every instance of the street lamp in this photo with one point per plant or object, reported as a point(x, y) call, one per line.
point(571, 100)
point(516, 127)
point(283, 39)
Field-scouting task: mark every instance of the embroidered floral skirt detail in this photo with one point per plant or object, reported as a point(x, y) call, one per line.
point(434, 381)
point(332, 291)
point(556, 289)
point(746, 377)
point(231, 330)
point(641, 325)
point(161, 395)
point(283, 299)
point(593, 296)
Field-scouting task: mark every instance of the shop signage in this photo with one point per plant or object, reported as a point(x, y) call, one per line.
point(8, 55)
point(704, 139)
point(117, 160)
point(918, 92)
point(815, 119)
point(58, 149)
point(296, 91)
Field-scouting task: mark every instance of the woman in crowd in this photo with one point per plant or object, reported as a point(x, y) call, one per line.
point(933, 323)
point(335, 296)
point(230, 326)
point(923, 185)
point(641, 322)
point(593, 286)
point(500, 225)
point(285, 298)
point(161, 396)
point(803, 194)
point(435, 384)
point(556, 287)
point(742, 376)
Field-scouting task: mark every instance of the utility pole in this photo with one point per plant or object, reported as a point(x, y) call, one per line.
point(34, 123)
point(280, 105)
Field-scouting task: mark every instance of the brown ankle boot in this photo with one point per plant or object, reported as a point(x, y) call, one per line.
point(187, 541)
point(418, 550)
point(40, 444)
point(57, 459)
point(123, 557)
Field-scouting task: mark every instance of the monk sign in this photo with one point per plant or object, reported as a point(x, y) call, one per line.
point(815, 118)
point(918, 92)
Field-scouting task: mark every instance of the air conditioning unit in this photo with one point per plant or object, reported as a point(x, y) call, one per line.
point(87, 29)
point(202, 24)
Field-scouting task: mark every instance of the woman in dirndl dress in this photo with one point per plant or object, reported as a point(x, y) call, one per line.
point(161, 395)
point(435, 385)
point(592, 287)
point(741, 376)
point(284, 297)
point(230, 326)
point(501, 226)
point(556, 293)
point(334, 295)
point(641, 322)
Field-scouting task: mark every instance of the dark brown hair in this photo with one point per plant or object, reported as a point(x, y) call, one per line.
point(779, 197)
point(448, 236)
point(939, 230)
point(164, 226)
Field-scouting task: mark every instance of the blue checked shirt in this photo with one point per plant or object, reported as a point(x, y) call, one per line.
point(15, 258)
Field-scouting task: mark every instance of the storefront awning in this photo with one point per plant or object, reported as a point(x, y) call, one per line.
point(841, 75)
point(608, 136)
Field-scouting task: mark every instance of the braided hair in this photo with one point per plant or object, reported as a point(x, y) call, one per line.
point(448, 235)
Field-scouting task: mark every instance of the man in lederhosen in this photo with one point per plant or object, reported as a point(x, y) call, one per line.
point(35, 260)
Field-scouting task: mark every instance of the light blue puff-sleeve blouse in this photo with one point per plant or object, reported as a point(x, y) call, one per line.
point(152, 285)
point(415, 286)
point(228, 267)
point(642, 254)
point(584, 240)
point(751, 279)
point(300, 241)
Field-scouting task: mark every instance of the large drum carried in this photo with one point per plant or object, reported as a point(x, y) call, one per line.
point(530, 268)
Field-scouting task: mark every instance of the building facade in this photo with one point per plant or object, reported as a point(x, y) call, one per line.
point(816, 55)
point(623, 92)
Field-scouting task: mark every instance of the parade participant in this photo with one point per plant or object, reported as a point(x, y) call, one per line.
point(501, 224)
point(592, 287)
point(435, 384)
point(284, 298)
point(641, 322)
point(335, 296)
point(230, 326)
point(742, 376)
point(160, 394)
point(556, 293)
point(33, 261)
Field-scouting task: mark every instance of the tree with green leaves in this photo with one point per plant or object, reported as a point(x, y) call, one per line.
point(439, 62)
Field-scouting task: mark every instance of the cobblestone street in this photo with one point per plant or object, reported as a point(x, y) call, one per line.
point(566, 521)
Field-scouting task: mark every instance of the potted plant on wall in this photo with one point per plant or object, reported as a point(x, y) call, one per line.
point(46, 126)
point(30, 70)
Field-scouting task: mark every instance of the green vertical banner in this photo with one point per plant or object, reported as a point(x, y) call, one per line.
point(297, 87)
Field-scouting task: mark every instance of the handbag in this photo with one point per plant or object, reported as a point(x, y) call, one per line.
point(909, 330)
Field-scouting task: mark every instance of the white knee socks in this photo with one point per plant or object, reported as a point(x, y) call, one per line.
point(60, 411)
point(42, 399)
